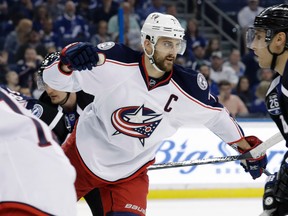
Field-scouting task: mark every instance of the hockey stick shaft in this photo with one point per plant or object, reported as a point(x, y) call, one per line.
point(254, 153)
point(266, 172)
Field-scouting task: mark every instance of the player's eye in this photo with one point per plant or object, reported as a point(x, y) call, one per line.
point(168, 45)
point(258, 37)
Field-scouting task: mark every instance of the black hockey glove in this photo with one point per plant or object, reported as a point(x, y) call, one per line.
point(275, 199)
point(281, 187)
point(269, 201)
point(79, 56)
point(254, 166)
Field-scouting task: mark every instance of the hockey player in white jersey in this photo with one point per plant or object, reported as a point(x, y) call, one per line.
point(36, 176)
point(140, 99)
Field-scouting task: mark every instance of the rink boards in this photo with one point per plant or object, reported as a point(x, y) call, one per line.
point(221, 180)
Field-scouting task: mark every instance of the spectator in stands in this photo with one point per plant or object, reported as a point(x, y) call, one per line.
point(265, 74)
point(192, 35)
point(172, 10)
point(34, 41)
point(246, 16)
point(49, 38)
point(39, 17)
point(193, 7)
point(155, 6)
point(3, 21)
point(4, 67)
point(86, 8)
point(27, 68)
point(134, 4)
point(55, 8)
point(9, 24)
point(70, 26)
point(139, 7)
point(105, 10)
point(3, 9)
point(131, 28)
point(206, 71)
point(232, 102)
point(12, 81)
point(102, 33)
point(199, 54)
point(244, 91)
point(251, 63)
point(214, 44)
point(25, 7)
point(220, 72)
point(258, 106)
point(234, 61)
point(18, 37)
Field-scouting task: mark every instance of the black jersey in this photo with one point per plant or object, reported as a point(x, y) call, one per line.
point(277, 102)
point(66, 125)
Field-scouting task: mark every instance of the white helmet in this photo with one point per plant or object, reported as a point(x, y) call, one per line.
point(162, 25)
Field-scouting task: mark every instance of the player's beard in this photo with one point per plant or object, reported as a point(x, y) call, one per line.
point(164, 63)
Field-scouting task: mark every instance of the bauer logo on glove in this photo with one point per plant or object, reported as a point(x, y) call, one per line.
point(254, 166)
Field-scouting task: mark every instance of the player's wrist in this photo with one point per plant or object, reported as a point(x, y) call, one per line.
point(64, 68)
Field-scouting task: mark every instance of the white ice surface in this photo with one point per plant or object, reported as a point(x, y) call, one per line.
point(196, 207)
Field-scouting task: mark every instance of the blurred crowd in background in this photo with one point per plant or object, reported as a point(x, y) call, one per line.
point(30, 29)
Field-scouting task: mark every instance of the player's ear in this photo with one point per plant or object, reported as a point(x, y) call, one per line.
point(280, 39)
point(148, 46)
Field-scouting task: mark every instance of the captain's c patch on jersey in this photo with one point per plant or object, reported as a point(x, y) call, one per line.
point(106, 45)
point(202, 82)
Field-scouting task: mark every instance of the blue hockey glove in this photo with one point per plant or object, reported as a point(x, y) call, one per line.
point(79, 56)
point(254, 166)
point(269, 201)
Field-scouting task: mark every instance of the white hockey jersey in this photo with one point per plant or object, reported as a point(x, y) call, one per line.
point(119, 132)
point(36, 176)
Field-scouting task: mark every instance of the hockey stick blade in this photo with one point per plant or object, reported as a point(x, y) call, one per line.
point(254, 153)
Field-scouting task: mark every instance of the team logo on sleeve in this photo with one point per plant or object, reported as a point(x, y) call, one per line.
point(37, 110)
point(201, 81)
point(105, 45)
point(135, 121)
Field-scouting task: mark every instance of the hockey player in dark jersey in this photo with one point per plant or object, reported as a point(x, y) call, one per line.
point(140, 99)
point(71, 104)
point(269, 41)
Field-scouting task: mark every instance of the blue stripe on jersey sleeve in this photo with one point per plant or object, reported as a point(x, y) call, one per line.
point(121, 53)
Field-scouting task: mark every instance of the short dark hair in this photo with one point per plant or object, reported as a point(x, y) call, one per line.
point(224, 83)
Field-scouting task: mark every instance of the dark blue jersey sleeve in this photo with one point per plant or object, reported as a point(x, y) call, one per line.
point(112, 50)
point(195, 84)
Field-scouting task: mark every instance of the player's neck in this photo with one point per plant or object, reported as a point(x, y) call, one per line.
point(152, 72)
point(71, 103)
point(281, 63)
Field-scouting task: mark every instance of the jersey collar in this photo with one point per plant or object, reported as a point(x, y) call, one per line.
point(152, 83)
